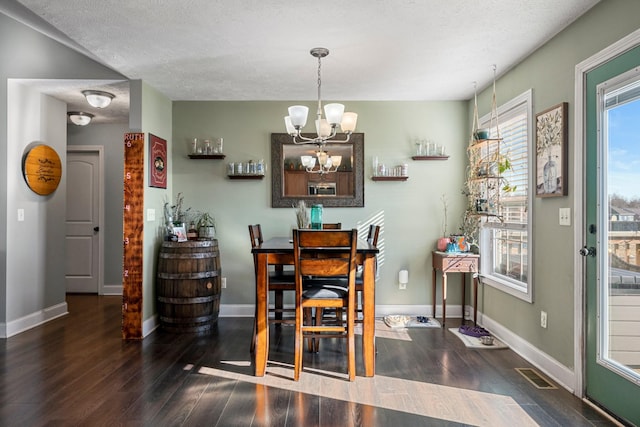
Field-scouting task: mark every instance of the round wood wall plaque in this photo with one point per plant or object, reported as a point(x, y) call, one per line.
point(42, 169)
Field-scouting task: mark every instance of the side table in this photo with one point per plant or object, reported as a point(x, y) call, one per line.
point(455, 262)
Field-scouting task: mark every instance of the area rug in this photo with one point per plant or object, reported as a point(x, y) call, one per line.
point(395, 321)
point(401, 333)
point(473, 342)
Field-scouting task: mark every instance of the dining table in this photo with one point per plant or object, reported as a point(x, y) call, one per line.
point(279, 251)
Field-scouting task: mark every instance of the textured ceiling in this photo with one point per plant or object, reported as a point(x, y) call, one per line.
point(259, 50)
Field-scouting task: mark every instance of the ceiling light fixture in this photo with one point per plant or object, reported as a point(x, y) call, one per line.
point(80, 118)
point(98, 98)
point(326, 128)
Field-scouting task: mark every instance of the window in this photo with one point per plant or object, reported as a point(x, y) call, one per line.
point(506, 250)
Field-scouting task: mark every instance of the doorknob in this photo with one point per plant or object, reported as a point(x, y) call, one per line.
point(96, 228)
point(591, 251)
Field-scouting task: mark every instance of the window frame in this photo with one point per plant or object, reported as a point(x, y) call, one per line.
point(519, 289)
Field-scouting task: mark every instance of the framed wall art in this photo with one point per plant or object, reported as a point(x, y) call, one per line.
point(158, 162)
point(551, 151)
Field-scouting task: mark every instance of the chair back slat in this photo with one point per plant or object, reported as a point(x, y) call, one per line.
point(332, 226)
point(325, 267)
point(255, 233)
point(334, 239)
point(372, 236)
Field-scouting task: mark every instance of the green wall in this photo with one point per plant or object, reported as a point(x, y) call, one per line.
point(412, 211)
point(550, 72)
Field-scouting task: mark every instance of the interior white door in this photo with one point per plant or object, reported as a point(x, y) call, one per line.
point(83, 221)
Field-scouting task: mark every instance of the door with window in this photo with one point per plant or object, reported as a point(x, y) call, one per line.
point(612, 235)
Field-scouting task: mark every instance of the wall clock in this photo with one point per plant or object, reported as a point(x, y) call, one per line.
point(42, 169)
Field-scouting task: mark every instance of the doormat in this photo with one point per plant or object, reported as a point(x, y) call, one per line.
point(475, 343)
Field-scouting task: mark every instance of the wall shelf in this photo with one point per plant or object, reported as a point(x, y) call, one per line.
point(245, 176)
point(207, 156)
point(430, 157)
point(389, 178)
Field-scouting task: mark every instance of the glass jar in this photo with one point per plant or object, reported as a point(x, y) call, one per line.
point(316, 217)
point(218, 146)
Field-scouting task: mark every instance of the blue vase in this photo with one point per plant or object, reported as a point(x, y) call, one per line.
point(316, 217)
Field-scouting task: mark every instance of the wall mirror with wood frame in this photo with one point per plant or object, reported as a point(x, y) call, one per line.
point(290, 182)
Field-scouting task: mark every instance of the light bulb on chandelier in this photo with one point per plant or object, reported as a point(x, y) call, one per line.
point(327, 127)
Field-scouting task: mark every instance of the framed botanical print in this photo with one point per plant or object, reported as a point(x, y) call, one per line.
point(551, 151)
point(157, 162)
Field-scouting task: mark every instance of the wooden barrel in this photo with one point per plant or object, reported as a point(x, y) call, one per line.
point(188, 285)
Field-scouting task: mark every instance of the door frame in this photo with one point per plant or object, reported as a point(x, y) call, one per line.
point(623, 45)
point(99, 149)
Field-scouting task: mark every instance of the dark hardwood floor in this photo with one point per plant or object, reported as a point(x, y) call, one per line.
point(77, 371)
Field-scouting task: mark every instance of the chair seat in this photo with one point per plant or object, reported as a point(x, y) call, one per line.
point(325, 292)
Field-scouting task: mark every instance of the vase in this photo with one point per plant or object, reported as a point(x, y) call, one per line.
point(206, 232)
point(442, 243)
point(550, 175)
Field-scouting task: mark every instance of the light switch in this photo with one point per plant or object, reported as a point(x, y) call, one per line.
point(565, 217)
point(20, 215)
point(151, 214)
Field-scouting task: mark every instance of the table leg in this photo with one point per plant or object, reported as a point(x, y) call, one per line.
point(444, 298)
point(464, 287)
point(433, 292)
point(261, 352)
point(475, 299)
point(369, 314)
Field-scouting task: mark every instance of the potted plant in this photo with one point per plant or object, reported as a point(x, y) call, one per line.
point(206, 226)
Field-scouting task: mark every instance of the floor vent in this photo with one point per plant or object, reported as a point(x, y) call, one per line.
point(536, 379)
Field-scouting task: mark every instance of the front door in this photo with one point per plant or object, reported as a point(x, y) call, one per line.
point(83, 257)
point(612, 235)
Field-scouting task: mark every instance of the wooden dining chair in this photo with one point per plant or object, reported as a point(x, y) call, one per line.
point(280, 280)
point(321, 315)
point(332, 226)
point(372, 239)
point(325, 254)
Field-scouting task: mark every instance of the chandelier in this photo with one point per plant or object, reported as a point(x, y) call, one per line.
point(326, 163)
point(326, 128)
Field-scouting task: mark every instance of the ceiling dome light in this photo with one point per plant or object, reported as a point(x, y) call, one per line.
point(98, 98)
point(80, 118)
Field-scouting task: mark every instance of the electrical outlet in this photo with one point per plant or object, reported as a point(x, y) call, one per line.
point(564, 216)
point(224, 283)
point(543, 319)
point(402, 286)
point(151, 214)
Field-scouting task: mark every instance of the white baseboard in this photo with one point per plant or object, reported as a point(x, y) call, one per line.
point(32, 320)
point(541, 360)
point(237, 310)
point(114, 289)
point(150, 325)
